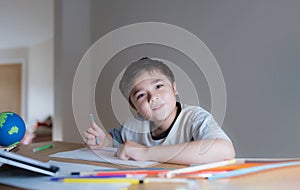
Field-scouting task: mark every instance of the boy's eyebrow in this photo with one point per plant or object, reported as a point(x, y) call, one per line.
point(135, 92)
point(156, 81)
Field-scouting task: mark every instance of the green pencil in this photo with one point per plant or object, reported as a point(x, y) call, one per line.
point(42, 148)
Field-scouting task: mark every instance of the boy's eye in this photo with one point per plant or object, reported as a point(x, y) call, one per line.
point(159, 86)
point(140, 96)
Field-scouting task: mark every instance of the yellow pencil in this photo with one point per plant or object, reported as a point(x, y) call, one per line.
point(125, 180)
point(101, 180)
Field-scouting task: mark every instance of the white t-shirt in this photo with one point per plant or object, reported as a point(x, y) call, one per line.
point(192, 123)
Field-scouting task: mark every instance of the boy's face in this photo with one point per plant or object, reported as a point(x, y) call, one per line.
point(154, 97)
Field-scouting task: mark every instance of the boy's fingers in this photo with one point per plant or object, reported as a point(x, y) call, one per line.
point(86, 135)
point(122, 153)
point(94, 136)
point(95, 130)
point(96, 127)
point(89, 138)
point(91, 131)
point(90, 141)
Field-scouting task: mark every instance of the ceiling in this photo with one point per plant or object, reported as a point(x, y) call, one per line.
point(25, 23)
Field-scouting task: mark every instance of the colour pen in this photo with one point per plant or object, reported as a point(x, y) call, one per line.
point(128, 169)
point(118, 170)
point(12, 148)
point(250, 170)
point(172, 173)
point(125, 180)
point(101, 180)
point(135, 172)
point(42, 148)
point(106, 176)
point(92, 119)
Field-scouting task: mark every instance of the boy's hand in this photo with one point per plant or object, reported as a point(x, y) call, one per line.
point(95, 137)
point(132, 150)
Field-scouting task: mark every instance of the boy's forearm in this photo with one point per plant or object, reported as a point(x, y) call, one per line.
point(195, 152)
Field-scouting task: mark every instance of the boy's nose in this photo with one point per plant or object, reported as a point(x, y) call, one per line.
point(153, 97)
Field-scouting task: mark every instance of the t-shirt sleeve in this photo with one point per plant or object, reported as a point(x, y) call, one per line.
point(208, 128)
point(116, 135)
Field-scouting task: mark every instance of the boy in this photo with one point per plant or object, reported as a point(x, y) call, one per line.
point(163, 130)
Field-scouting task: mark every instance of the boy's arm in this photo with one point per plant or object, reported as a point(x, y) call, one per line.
point(195, 152)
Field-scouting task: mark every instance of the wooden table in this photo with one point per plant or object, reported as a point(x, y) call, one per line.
point(276, 179)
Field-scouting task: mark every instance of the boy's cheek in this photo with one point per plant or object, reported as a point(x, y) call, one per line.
point(145, 112)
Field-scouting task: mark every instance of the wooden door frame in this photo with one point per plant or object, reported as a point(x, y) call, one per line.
point(23, 82)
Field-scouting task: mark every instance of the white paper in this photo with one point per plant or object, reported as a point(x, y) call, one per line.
point(28, 180)
point(101, 155)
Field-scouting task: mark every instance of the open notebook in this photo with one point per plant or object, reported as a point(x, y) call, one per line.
point(101, 155)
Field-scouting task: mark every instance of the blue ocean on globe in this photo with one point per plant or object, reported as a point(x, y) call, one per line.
point(12, 128)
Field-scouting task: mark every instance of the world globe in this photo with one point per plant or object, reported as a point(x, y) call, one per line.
point(12, 128)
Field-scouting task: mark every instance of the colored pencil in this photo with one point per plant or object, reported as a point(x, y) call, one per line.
point(92, 120)
point(204, 174)
point(129, 169)
point(12, 148)
point(250, 170)
point(228, 168)
point(101, 180)
point(42, 148)
point(104, 176)
point(125, 180)
point(172, 173)
point(265, 160)
point(164, 180)
point(118, 169)
point(148, 172)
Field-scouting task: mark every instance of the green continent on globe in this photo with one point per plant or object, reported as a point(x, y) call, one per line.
point(13, 130)
point(3, 117)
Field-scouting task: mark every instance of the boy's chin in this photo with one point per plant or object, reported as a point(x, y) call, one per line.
point(158, 121)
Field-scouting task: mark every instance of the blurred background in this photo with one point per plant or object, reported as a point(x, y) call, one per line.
point(256, 44)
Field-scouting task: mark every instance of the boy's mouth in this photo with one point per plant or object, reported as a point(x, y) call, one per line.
point(155, 107)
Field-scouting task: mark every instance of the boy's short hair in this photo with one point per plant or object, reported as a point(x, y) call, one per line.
point(144, 64)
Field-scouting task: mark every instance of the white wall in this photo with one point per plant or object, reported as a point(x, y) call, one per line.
point(40, 81)
point(18, 55)
point(256, 44)
point(28, 38)
point(37, 79)
point(14, 53)
point(72, 39)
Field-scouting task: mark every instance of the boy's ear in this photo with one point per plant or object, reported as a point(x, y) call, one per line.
point(174, 88)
